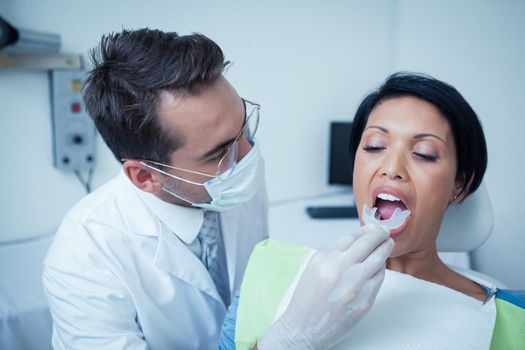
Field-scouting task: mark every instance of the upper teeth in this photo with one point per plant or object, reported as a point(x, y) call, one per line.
point(388, 197)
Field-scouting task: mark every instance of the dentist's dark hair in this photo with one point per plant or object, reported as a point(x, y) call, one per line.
point(471, 148)
point(131, 70)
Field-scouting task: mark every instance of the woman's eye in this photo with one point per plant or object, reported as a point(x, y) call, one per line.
point(369, 148)
point(426, 157)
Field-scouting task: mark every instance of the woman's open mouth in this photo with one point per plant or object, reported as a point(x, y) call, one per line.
point(386, 204)
point(390, 209)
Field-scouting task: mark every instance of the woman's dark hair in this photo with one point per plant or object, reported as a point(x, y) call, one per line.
point(471, 147)
point(130, 71)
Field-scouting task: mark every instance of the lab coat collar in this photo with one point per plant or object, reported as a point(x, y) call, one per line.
point(178, 226)
point(184, 222)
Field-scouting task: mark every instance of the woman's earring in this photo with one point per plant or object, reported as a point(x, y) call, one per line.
point(455, 196)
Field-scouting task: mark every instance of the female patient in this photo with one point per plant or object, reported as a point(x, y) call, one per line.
point(416, 145)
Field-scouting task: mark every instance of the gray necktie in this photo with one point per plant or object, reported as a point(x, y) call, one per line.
point(213, 253)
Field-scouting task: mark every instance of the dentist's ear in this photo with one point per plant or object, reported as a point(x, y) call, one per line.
point(142, 177)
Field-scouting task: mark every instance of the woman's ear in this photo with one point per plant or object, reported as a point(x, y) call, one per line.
point(461, 188)
point(142, 177)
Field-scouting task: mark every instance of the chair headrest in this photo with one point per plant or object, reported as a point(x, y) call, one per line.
point(467, 225)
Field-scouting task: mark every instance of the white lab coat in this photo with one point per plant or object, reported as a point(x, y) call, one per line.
point(120, 275)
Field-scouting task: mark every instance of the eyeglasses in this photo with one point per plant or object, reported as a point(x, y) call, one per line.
point(231, 154)
point(227, 162)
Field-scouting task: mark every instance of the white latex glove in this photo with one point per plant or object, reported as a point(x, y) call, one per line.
point(337, 288)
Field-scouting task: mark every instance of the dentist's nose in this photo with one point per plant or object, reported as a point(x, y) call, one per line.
point(394, 167)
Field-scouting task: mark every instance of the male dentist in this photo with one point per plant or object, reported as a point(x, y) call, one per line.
point(150, 260)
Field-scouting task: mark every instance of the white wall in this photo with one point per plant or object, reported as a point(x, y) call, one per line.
point(297, 59)
point(306, 62)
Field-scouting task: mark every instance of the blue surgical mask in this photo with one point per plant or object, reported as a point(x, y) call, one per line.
point(230, 189)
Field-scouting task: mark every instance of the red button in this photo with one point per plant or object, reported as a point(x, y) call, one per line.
point(75, 107)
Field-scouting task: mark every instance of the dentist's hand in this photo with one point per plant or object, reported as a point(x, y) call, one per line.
point(337, 288)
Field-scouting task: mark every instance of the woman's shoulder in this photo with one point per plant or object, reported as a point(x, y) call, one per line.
point(466, 284)
point(483, 287)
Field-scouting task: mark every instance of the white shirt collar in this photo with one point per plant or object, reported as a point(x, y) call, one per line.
point(184, 222)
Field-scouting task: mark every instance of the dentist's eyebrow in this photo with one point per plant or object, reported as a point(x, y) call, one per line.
point(221, 146)
point(420, 136)
point(226, 143)
point(217, 149)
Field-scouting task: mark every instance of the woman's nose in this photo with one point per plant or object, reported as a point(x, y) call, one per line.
point(394, 167)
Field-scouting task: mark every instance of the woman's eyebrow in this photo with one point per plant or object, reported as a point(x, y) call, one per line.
point(385, 130)
point(420, 136)
point(417, 136)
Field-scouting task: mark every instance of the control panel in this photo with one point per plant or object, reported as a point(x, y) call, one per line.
point(73, 130)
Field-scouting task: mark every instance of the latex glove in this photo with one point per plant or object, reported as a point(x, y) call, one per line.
point(337, 288)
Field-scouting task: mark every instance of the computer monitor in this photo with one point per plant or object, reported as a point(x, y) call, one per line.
point(340, 172)
point(340, 167)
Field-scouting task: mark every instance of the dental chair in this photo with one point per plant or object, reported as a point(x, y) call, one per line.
point(465, 227)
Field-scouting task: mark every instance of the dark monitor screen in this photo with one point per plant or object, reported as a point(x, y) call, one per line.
point(341, 169)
